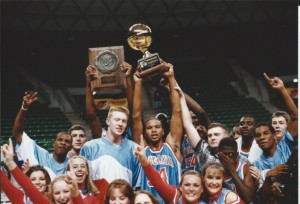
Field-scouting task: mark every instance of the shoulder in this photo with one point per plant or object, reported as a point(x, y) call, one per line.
point(232, 198)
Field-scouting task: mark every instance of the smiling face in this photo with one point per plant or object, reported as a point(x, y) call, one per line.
point(191, 188)
point(117, 123)
point(78, 139)
point(214, 136)
point(39, 181)
point(279, 123)
point(61, 193)
point(154, 131)
point(213, 180)
point(62, 144)
point(79, 167)
point(265, 138)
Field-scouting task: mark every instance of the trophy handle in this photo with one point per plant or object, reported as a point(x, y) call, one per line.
point(158, 69)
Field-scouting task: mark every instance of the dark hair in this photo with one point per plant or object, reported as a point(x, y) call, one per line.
point(249, 116)
point(266, 125)
point(154, 200)
point(124, 187)
point(42, 169)
point(165, 123)
point(76, 127)
point(63, 133)
point(228, 142)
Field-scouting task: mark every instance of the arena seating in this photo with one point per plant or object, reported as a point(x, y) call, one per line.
point(42, 123)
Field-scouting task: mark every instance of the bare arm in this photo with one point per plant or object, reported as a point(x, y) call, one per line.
point(18, 127)
point(93, 120)
point(197, 110)
point(176, 128)
point(137, 109)
point(246, 188)
point(278, 85)
point(127, 69)
point(189, 128)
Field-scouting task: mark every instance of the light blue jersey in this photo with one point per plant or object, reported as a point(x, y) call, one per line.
point(108, 161)
point(168, 166)
point(189, 157)
point(281, 155)
point(241, 173)
point(36, 155)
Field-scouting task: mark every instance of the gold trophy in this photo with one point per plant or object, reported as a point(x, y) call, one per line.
point(139, 38)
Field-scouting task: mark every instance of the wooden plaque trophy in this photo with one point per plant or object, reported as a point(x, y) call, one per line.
point(107, 60)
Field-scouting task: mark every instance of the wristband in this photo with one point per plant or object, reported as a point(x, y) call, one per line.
point(24, 109)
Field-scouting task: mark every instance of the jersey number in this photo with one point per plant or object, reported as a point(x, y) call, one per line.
point(163, 176)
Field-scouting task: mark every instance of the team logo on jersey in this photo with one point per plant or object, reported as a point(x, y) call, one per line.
point(161, 160)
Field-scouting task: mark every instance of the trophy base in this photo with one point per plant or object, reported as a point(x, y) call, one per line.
point(153, 71)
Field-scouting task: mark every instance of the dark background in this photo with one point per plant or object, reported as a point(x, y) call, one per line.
point(50, 39)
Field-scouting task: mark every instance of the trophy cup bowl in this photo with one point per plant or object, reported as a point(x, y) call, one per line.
point(139, 38)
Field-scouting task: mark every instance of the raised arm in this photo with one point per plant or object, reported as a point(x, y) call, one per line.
point(93, 120)
point(18, 127)
point(137, 109)
point(192, 105)
point(278, 85)
point(176, 128)
point(166, 191)
point(189, 128)
point(127, 69)
point(197, 110)
point(31, 191)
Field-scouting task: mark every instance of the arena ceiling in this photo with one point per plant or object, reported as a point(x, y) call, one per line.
point(50, 38)
point(118, 15)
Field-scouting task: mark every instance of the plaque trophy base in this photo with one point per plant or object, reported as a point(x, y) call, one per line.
point(106, 79)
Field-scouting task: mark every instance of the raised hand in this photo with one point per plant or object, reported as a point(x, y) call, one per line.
point(90, 73)
point(170, 72)
point(126, 68)
point(25, 166)
point(137, 76)
point(28, 99)
point(8, 154)
point(140, 153)
point(275, 82)
point(71, 181)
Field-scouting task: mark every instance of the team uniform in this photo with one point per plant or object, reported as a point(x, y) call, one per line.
point(168, 193)
point(254, 152)
point(221, 198)
point(16, 196)
point(281, 155)
point(240, 170)
point(36, 155)
point(166, 163)
point(108, 161)
point(189, 157)
point(205, 155)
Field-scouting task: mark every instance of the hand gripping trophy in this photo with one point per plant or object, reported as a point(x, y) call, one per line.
point(139, 38)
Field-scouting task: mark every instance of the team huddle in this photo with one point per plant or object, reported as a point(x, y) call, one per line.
point(139, 160)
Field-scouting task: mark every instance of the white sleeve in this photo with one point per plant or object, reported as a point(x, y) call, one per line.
point(26, 150)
